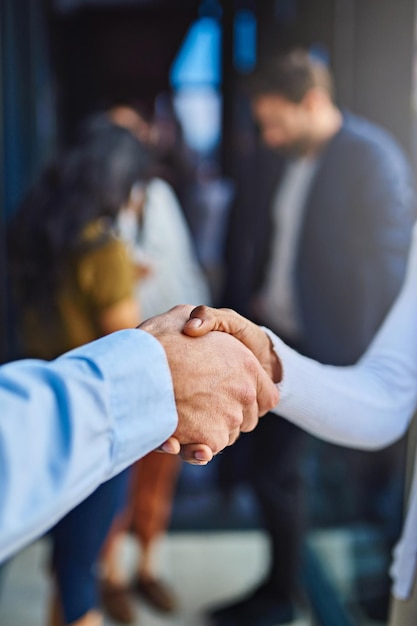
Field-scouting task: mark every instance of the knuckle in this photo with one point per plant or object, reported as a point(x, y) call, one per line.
point(250, 424)
point(235, 421)
point(269, 402)
point(248, 395)
point(233, 436)
point(251, 364)
point(220, 444)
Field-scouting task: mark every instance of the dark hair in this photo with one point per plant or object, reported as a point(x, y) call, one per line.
point(91, 180)
point(291, 76)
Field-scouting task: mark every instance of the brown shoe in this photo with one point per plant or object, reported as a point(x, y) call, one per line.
point(118, 602)
point(157, 594)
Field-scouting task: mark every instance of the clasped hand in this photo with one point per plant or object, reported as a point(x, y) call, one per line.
point(222, 384)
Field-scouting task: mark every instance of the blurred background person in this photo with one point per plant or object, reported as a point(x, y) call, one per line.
point(319, 260)
point(74, 282)
point(159, 128)
point(367, 405)
point(156, 232)
point(159, 241)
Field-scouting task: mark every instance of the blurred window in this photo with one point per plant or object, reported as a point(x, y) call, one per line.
point(244, 49)
point(196, 78)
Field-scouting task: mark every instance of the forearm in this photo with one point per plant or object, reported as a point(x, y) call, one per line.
point(69, 425)
point(368, 405)
point(351, 406)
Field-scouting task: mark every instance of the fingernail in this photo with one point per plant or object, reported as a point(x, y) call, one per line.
point(199, 455)
point(194, 322)
point(168, 448)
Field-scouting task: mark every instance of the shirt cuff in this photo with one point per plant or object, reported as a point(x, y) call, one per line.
point(289, 360)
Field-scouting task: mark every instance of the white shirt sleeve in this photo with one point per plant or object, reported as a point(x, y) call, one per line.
point(370, 404)
point(68, 425)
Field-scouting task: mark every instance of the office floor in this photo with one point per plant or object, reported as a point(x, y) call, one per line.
point(203, 568)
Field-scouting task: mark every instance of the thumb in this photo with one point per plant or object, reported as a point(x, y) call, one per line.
point(204, 319)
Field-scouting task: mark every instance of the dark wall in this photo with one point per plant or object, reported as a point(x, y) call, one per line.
point(107, 55)
point(383, 63)
point(27, 119)
point(285, 23)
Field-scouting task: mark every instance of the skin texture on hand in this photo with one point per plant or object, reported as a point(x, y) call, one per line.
point(204, 319)
point(220, 388)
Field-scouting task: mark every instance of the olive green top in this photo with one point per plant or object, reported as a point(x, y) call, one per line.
point(98, 276)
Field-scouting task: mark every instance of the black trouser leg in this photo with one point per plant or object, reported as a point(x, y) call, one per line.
point(277, 482)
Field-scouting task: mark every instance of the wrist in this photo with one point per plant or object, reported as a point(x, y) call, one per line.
point(275, 365)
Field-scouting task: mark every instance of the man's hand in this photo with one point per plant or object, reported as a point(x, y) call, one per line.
point(204, 319)
point(220, 388)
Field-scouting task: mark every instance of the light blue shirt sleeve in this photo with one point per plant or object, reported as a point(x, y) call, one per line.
point(68, 425)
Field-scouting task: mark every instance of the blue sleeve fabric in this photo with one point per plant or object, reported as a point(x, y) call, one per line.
point(69, 425)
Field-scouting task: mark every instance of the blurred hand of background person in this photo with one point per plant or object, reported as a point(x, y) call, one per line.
point(142, 270)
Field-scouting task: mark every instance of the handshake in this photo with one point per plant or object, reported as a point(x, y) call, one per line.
point(224, 371)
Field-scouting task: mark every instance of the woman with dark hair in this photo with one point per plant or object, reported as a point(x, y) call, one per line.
point(73, 282)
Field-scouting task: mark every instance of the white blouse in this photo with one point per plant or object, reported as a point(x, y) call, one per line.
point(368, 405)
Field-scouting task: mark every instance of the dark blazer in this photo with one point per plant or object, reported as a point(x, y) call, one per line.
point(353, 246)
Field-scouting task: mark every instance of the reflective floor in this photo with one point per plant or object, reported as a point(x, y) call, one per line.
point(203, 568)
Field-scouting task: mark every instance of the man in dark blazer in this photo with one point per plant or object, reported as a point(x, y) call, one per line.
point(318, 256)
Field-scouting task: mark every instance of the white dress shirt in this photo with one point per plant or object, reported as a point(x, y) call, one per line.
point(163, 242)
point(368, 405)
point(68, 425)
point(278, 301)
